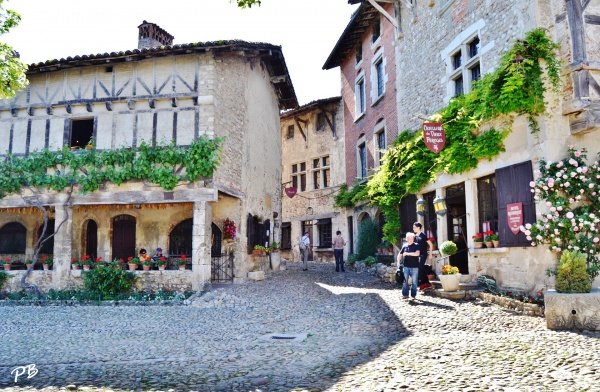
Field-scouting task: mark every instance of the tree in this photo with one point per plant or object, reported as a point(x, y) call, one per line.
point(246, 3)
point(12, 70)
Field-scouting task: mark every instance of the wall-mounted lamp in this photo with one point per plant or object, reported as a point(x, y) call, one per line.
point(421, 207)
point(439, 205)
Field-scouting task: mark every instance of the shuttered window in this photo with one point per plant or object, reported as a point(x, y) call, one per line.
point(513, 187)
point(257, 233)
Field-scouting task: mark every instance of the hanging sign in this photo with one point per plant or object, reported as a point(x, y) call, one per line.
point(291, 191)
point(515, 217)
point(434, 136)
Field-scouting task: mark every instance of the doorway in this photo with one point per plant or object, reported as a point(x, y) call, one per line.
point(123, 237)
point(457, 227)
point(91, 239)
point(308, 226)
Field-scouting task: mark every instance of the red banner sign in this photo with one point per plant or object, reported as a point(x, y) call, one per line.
point(434, 136)
point(515, 217)
point(291, 191)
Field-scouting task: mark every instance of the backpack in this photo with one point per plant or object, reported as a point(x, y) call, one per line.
point(302, 244)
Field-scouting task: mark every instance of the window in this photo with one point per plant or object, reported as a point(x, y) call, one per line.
point(82, 131)
point(380, 145)
point(379, 74)
point(487, 203)
point(286, 235)
point(299, 176)
point(457, 60)
point(513, 187)
point(13, 238)
point(473, 47)
point(325, 235)
point(321, 122)
point(376, 29)
point(459, 88)
point(359, 53)
point(475, 72)
point(257, 233)
point(360, 97)
point(290, 131)
point(321, 172)
point(362, 161)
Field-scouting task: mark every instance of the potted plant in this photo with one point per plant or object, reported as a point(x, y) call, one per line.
point(478, 240)
point(147, 264)
point(495, 239)
point(160, 263)
point(118, 263)
point(448, 248)
point(487, 238)
point(87, 262)
point(5, 263)
point(255, 274)
point(182, 262)
point(46, 262)
point(90, 144)
point(258, 250)
point(433, 243)
point(228, 230)
point(275, 246)
point(133, 263)
point(28, 262)
point(450, 277)
point(75, 263)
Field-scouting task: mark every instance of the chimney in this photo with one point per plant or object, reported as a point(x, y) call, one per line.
point(152, 36)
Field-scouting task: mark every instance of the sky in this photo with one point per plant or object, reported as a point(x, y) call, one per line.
point(307, 30)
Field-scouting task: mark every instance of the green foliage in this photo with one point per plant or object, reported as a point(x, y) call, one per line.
point(348, 198)
point(161, 165)
point(570, 188)
point(514, 88)
point(448, 248)
point(12, 70)
point(246, 3)
point(571, 276)
point(352, 258)
point(370, 261)
point(367, 238)
point(3, 278)
point(108, 280)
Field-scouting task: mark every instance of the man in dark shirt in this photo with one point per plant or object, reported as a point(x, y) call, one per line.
point(423, 242)
point(411, 265)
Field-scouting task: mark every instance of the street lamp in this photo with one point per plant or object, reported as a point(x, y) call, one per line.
point(439, 205)
point(421, 207)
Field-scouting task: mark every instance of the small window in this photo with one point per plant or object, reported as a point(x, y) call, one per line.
point(376, 30)
point(379, 72)
point(326, 160)
point(299, 176)
point(286, 235)
point(290, 132)
point(109, 69)
point(316, 163)
point(458, 86)
point(321, 122)
point(325, 233)
point(487, 203)
point(475, 73)
point(359, 53)
point(294, 168)
point(362, 156)
point(381, 145)
point(321, 172)
point(456, 61)
point(360, 97)
point(82, 132)
point(473, 47)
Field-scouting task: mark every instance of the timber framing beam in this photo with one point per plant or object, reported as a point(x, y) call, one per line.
point(298, 120)
point(329, 121)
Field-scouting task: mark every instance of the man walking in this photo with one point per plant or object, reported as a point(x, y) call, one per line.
point(338, 251)
point(424, 243)
point(411, 265)
point(304, 249)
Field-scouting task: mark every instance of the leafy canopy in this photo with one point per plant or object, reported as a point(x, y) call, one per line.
point(12, 70)
point(246, 3)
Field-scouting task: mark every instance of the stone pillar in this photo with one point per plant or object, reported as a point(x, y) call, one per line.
point(201, 243)
point(63, 244)
point(276, 256)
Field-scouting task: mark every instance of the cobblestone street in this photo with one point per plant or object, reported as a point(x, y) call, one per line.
point(353, 334)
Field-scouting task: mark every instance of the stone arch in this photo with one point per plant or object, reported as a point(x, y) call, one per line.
point(89, 238)
point(123, 236)
point(13, 238)
point(180, 238)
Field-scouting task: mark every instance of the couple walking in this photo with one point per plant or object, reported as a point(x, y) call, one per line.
point(338, 250)
point(415, 255)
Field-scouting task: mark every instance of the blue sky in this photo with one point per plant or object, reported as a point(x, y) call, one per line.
point(307, 30)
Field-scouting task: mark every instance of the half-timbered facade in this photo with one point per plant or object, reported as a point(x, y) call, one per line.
point(158, 94)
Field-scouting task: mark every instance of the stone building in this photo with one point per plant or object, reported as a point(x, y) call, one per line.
point(159, 93)
point(442, 47)
point(366, 56)
point(313, 166)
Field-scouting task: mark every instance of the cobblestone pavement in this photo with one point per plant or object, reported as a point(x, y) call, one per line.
point(360, 336)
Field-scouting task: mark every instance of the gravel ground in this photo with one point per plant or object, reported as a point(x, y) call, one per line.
point(355, 334)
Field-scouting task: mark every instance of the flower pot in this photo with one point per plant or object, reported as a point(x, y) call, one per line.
point(132, 267)
point(257, 252)
point(433, 247)
point(146, 268)
point(489, 244)
point(161, 267)
point(478, 245)
point(6, 267)
point(496, 244)
point(46, 267)
point(182, 268)
point(75, 266)
point(228, 240)
point(450, 282)
point(86, 267)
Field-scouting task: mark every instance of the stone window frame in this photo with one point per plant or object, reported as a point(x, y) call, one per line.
point(323, 166)
point(380, 129)
point(377, 59)
point(375, 40)
point(298, 176)
point(362, 142)
point(460, 45)
point(290, 131)
point(360, 96)
point(358, 54)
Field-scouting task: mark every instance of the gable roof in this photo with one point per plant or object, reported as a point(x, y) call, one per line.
point(359, 23)
point(270, 55)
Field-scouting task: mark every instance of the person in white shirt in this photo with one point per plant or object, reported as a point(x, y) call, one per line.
point(304, 249)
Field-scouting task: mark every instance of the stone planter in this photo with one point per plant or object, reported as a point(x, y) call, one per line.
point(478, 245)
point(450, 282)
point(572, 311)
point(256, 275)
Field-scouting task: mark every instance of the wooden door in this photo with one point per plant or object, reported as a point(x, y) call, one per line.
point(123, 237)
point(91, 239)
point(457, 227)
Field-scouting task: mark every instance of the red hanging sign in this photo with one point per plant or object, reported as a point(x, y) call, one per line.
point(291, 191)
point(515, 217)
point(434, 136)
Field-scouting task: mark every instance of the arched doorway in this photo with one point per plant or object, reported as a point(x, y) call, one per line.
point(123, 237)
point(91, 239)
point(180, 239)
point(13, 238)
point(216, 240)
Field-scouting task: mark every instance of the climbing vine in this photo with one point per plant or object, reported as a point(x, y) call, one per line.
point(515, 88)
point(161, 165)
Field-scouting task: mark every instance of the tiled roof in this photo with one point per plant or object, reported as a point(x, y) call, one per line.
point(310, 106)
point(271, 55)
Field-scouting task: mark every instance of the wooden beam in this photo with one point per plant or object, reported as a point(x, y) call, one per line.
point(389, 17)
point(298, 121)
point(329, 121)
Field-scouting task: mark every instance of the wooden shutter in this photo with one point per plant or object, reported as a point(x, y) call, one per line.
point(512, 184)
point(250, 233)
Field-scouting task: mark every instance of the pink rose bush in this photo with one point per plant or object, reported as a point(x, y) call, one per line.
point(572, 223)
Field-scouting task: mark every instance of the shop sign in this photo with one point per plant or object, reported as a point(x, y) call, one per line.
point(434, 136)
point(515, 217)
point(291, 191)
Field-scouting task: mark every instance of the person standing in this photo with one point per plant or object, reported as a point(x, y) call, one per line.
point(411, 265)
point(338, 251)
point(304, 249)
point(424, 244)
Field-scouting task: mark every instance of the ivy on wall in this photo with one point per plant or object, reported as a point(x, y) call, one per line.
point(517, 87)
point(161, 165)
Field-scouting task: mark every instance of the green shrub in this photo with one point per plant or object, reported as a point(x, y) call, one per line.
point(571, 275)
point(368, 238)
point(448, 248)
point(3, 278)
point(370, 261)
point(108, 280)
point(352, 259)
